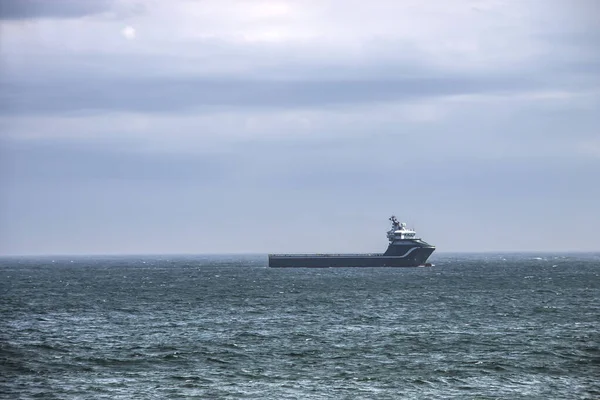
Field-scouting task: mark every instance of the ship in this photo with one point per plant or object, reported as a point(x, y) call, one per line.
point(405, 249)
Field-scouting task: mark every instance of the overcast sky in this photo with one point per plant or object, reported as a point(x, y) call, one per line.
point(224, 126)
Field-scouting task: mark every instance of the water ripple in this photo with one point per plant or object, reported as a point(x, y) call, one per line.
point(474, 326)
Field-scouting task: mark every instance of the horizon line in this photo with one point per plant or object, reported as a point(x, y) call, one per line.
point(239, 254)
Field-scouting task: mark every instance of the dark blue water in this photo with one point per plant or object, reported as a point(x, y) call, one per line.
point(472, 327)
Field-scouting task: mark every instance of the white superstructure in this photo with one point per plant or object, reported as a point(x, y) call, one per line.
point(399, 231)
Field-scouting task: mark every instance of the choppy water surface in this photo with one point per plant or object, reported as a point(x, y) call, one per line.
point(472, 327)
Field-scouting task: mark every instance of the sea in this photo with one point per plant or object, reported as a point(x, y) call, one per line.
point(473, 326)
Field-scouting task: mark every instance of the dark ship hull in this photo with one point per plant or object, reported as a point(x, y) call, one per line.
point(413, 255)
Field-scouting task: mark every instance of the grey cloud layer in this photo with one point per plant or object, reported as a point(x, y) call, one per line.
point(165, 95)
point(31, 9)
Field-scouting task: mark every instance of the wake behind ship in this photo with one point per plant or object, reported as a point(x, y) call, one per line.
point(404, 250)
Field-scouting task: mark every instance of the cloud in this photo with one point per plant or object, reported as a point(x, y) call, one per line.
point(186, 94)
point(448, 34)
point(463, 113)
point(32, 9)
point(453, 128)
point(128, 33)
point(199, 56)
